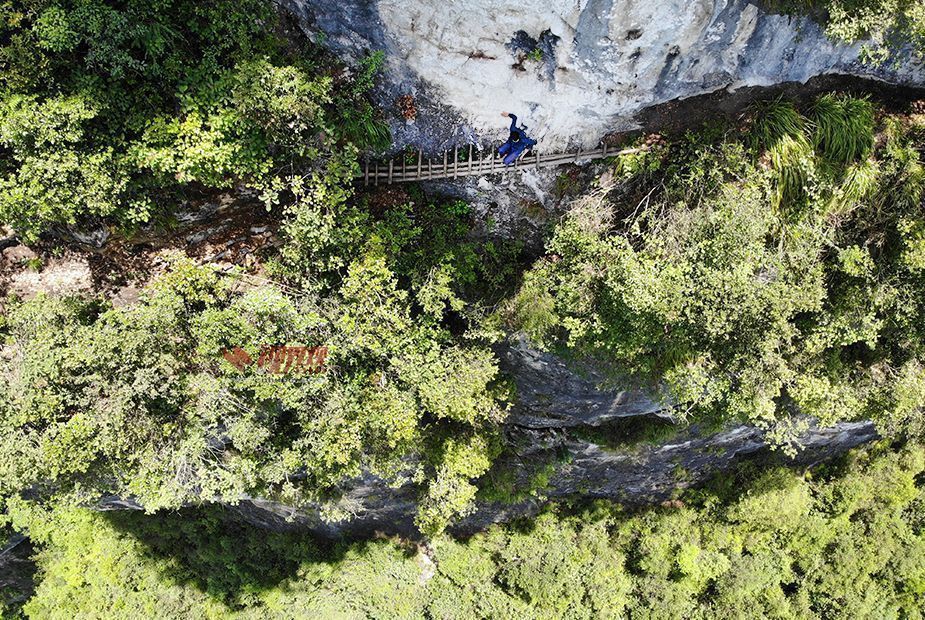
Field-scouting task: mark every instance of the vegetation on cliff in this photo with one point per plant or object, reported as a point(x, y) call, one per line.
point(759, 273)
point(881, 25)
point(761, 276)
point(758, 276)
point(119, 111)
point(138, 401)
point(842, 541)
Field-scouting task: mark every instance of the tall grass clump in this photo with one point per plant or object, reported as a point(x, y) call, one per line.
point(775, 120)
point(366, 130)
point(843, 128)
point(781, 131)
point(793, 162)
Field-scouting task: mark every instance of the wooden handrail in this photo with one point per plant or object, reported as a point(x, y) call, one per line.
point(451, 169)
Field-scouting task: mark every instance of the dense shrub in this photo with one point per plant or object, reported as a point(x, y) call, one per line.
point(139, 402)
point(844, 541)
point(754, 277)
point(116, 110)
point(885, 24)
point(884, 27)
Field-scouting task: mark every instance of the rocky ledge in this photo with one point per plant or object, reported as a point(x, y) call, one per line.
point(566, 440)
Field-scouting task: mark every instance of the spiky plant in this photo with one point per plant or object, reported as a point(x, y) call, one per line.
point(860, 181)
point(775, 120)
point(366, 130)
point(844, 128)
point(793, 162)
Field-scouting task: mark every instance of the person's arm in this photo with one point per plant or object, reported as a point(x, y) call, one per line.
point(513, 121)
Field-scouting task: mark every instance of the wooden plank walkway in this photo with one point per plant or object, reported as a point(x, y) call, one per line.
point(401, 171)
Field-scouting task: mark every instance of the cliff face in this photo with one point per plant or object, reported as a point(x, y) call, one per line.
point(576, 469)
point(573, 70)
point(559, 448)
point(17, 569)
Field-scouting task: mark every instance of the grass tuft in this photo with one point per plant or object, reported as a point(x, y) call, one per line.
point(775, 120)
point(844, 128)
point(793, 161)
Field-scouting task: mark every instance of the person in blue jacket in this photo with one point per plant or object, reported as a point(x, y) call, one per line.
point(516, 144)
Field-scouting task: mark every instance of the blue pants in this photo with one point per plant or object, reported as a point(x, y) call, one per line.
point(511, 151)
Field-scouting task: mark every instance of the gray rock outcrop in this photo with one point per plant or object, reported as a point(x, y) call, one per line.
point(573, 70)
point(558, 448)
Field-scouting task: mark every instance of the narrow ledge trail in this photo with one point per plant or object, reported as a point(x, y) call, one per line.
point(398, 170)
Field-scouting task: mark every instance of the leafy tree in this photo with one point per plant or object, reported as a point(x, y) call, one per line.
point(885, 23)
point(843, 540)
point(138, 401)
point(120, 110)
point(776, 284)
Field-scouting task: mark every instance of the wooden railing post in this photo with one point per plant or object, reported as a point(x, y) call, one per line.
point(488, 162)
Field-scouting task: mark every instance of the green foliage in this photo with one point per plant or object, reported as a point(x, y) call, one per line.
point(747, 285)
point(533, 307)
point(452, 492)
point(775, 120)
point(887, 24)
point(115, 111)
point(792, 161)
point(841, 541)
point(138, 401)
point(567, 183)
point(359, 122)
point(883, 26)
point(506, 483)
point(844, 128)
point(623, 434)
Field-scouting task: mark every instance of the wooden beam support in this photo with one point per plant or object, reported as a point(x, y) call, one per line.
point(486, 164)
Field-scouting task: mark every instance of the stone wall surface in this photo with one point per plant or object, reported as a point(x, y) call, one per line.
point(582, 470)
point(573, 70)
point(558, 401)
